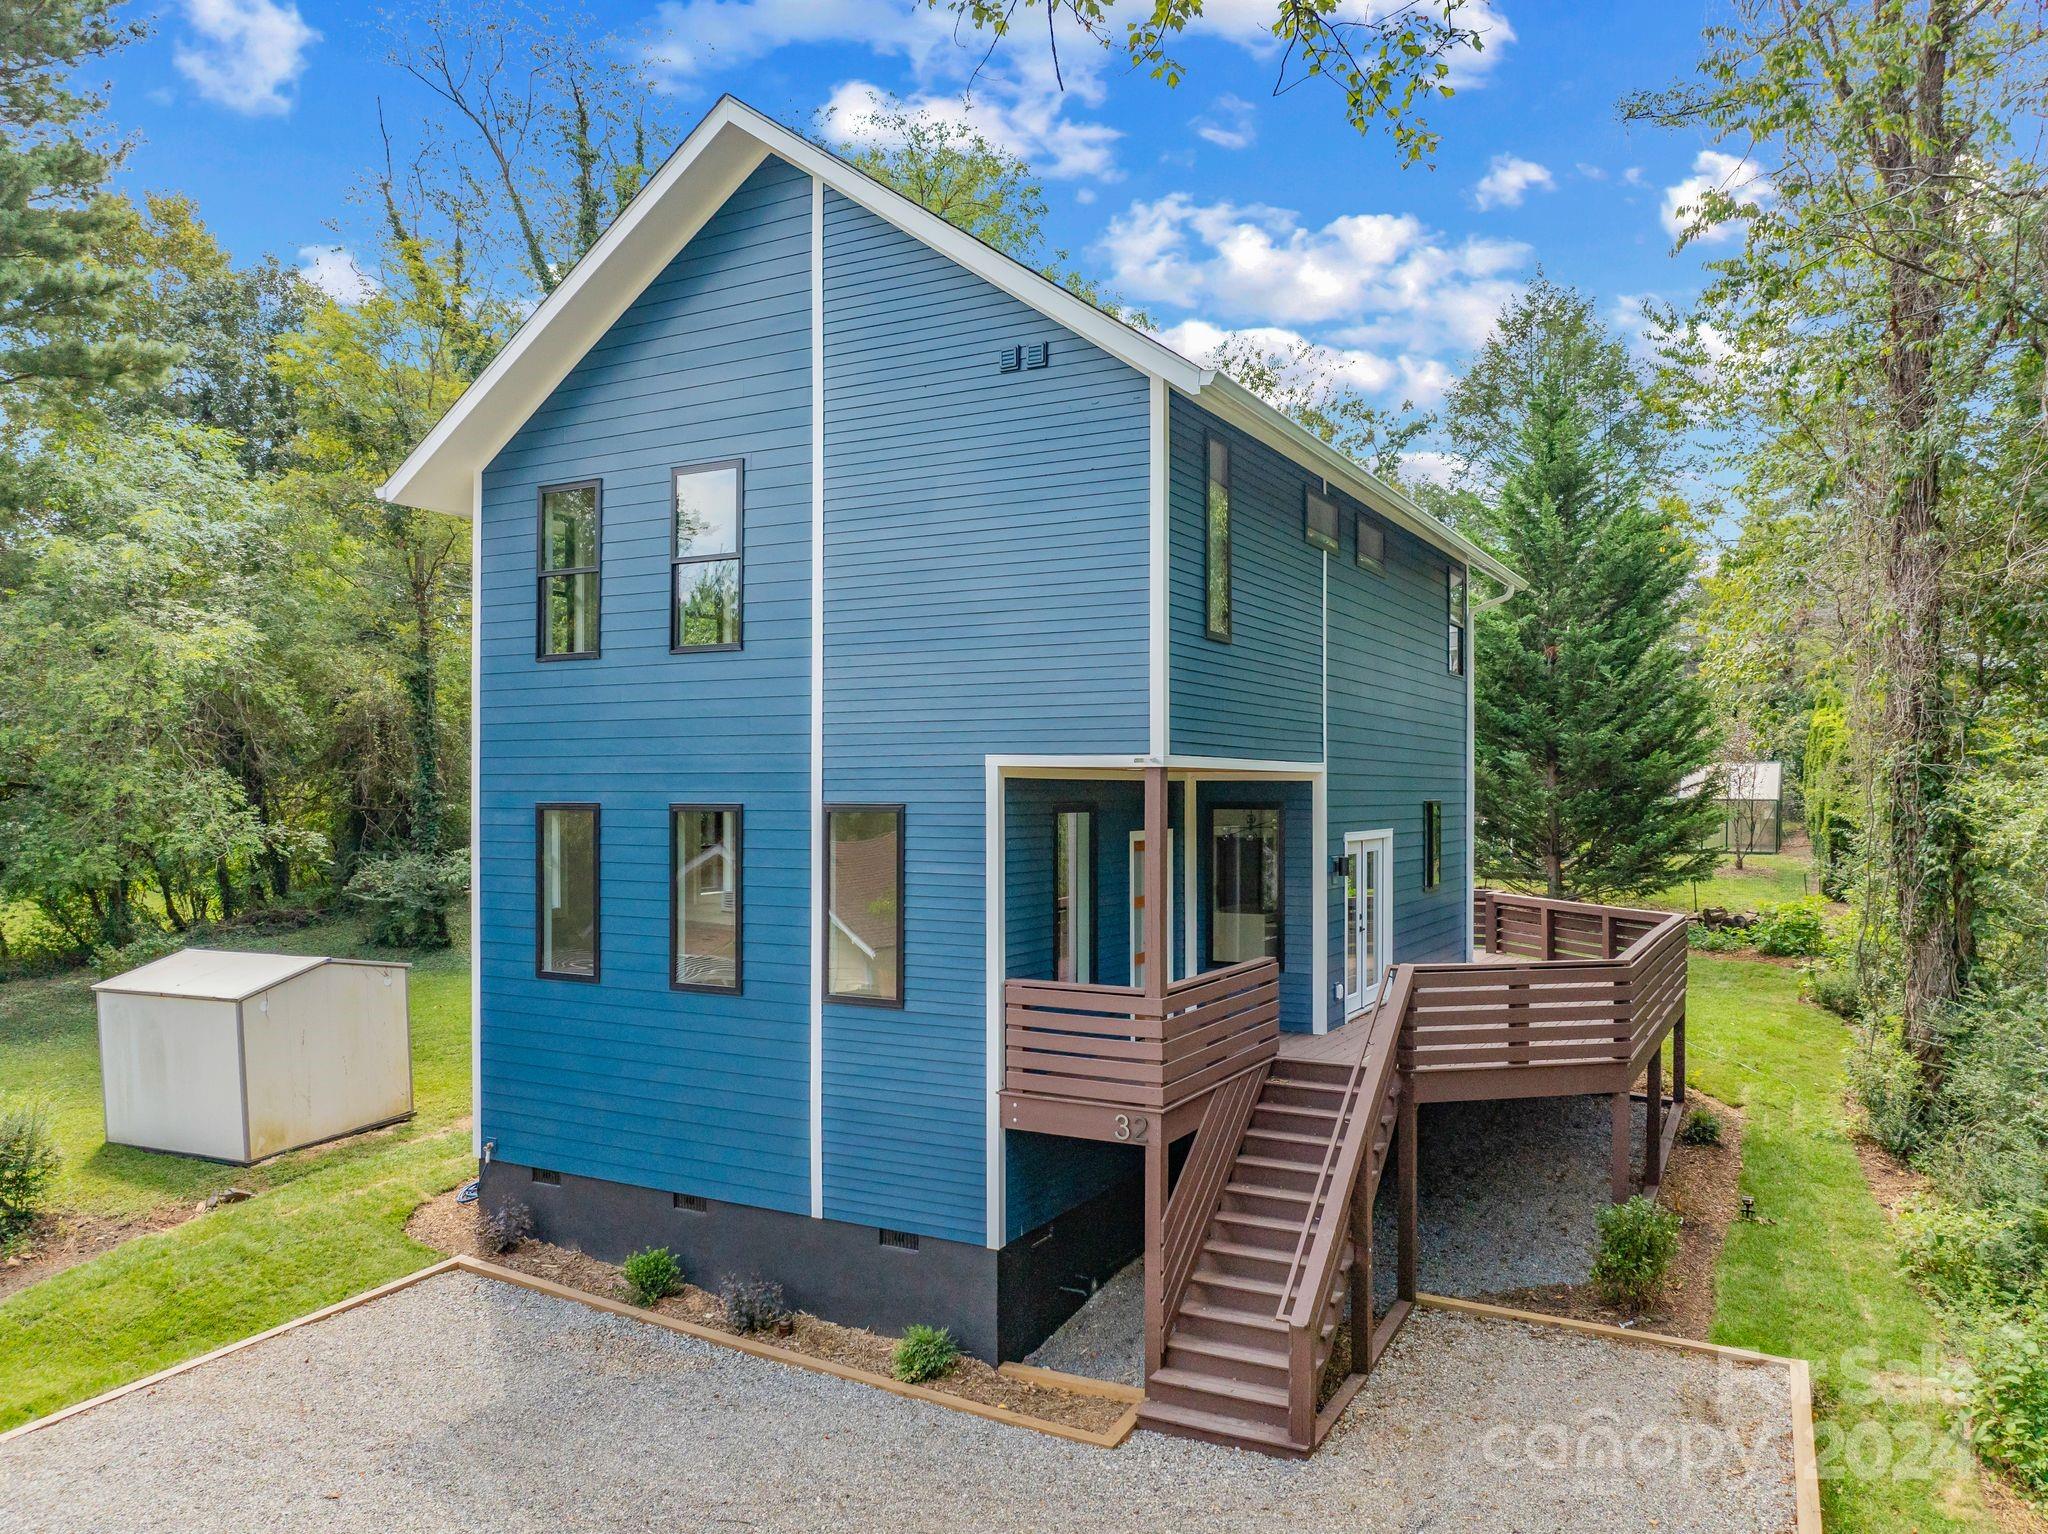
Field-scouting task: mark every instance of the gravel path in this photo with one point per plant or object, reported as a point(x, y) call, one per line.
point(1105, 1338)
point(463, 1403)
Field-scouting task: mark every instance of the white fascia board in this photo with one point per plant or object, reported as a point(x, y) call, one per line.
point(1231, 401)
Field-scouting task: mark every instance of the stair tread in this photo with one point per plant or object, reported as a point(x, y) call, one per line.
point(1319, 1141)
point(1264, 1320)
point(1270, 1163)
point(1274, 1357)
point(1213, 1422)
point(1219, 1385)
point(1217, 1278)
point(1254, 1253)
point(1259, 1221)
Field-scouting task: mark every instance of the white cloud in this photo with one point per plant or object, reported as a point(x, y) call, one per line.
point(688, 38)
point(1249, 24)
point(1429, 466)
point(246, 54)
point(1633, 176)
point(1590, 172)
point(1383, 280)
point(1509, 179)
point(333, 270)
point(1422, 380)
point(1713, 171)
point(1006, 109)
point(1228, 123)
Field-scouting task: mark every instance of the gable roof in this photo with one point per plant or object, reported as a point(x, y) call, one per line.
point(692, 184)
point(1752, 782)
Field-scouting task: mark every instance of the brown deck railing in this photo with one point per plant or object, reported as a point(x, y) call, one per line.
point(1112, 1045)
point(1603, 988)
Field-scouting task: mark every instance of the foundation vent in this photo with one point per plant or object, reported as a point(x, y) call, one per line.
point(902, 1240)
point(693, 1203)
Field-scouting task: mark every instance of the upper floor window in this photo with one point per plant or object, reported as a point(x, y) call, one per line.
point(1454, 609)
point(1432, 843)
point(570, 519)
point(705, 560)
point(1216, 541)
point(864, 904)
point(565, 891)
point(1319, 520)
point(1372, 545)
point(1244, 883)
point(704, 877)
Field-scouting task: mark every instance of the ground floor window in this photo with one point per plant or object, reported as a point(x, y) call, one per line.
point(864, 904)
point(1432, 843)
point(566, 894)
point(704, 860)
point(1073, 896)
point(1244, 883)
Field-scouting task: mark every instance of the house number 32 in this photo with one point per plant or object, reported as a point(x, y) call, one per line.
point(1130, 1128)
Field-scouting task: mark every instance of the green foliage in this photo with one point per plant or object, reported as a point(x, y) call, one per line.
point(2007, 1392)
point(1792, 929)
point(28, 1164)
point(1638, 1239)
point(408, 895)
point(1832, 986)
point(1886, 1082)
point(752, 1304)
point(1716, 939)
point(1701, 1126)
point(1968, 1257)
point(145, 949)
point(652, 1275)
point(924, 1353)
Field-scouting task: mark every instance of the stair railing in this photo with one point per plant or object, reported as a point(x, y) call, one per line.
point(1199, 1188)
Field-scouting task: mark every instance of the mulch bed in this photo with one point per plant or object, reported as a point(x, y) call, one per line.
point(1701, 1183)
point(449, 1227)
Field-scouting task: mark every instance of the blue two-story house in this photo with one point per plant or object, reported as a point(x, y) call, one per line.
point(888, 666)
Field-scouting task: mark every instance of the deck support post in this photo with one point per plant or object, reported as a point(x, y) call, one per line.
point(1155, 1253)
point(1361, 1277)
point(1409, 1153)
point(1678, 1062)
point(1653, 1122)
point(1618, 1161)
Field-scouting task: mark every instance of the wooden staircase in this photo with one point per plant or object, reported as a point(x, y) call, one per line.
point(1252, 1325)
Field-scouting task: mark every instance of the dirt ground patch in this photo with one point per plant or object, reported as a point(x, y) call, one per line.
point(453, 1228)
point(63, 1241)
point(1702, 1184)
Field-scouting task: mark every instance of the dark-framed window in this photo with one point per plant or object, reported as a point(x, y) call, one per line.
point(1073, 895)
point(571, 536)
point(1371, 552)
point(1319, 521)
point(1454, 613)
point(1247, 883)
point(864, 904)
point(566, 895)
point(707, 504)
point(706, 901)
point(1216, 540)
point(1432, 843)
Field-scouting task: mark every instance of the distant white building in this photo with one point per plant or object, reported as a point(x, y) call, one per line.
point(1752, 801)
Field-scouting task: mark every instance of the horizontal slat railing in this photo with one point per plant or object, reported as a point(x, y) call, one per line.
point(1114, 1045)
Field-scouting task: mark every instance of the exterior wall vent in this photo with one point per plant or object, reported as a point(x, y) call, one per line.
point(693, 1203)
point(542, 1174)
point(1038, 356)
point(1011, 359)
point(902, 1240)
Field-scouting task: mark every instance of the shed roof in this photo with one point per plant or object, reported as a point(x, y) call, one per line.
point(1754, 782)
point(693, 183)
point(211, 974)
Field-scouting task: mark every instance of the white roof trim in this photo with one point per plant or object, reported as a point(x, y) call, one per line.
point(692, 184)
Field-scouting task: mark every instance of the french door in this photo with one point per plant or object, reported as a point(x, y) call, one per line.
point(1368, 915)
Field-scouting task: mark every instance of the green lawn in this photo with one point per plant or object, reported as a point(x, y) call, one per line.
point(1762, 879)
point(326, 1223)
point(1817, 1277)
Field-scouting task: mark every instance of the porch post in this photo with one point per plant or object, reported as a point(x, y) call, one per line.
point(1158, 963)
point(1618, 1167)
point(1158, 941)
point(1678, 1061)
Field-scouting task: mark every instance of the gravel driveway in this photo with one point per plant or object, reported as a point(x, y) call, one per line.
point(463, 1403)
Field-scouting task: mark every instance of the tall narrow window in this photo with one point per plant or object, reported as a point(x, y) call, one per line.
point(1454, 611)
point(1372, 545)
point(1073, 896)
point(705, 568)
point(1216, 514)
point(1319, 520)
point(570, 517)
point(704, 863)
point(864, 904)
point(1432, 843)
point(1244, 883)
point(565, 893)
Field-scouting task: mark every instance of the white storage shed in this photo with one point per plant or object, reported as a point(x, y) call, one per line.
point(239, 1056)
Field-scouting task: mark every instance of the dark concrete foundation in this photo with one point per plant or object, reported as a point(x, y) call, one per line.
point(998, 1304)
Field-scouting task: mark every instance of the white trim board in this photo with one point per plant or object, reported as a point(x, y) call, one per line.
point(686, 190)
point(817, 764)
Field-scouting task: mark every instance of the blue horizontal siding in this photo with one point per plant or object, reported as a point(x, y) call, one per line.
point(985, 557)
point(627, 1079)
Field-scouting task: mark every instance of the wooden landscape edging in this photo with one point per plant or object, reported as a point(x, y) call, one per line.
point(1109, 1438)
point(1805, 1466)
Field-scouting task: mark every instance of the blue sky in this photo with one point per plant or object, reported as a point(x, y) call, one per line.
point(1217, 205)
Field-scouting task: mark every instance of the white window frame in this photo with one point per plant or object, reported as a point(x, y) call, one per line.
point(1355, 844)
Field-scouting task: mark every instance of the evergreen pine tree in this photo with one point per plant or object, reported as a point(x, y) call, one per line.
point(1587, 715)
point(55, 301)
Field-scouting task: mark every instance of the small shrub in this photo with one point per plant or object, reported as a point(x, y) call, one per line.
point(1887, 1083)
point(1637, 1242)
point(2007, 1392)
point(925, 1353)
point(1700, 1128)
point(28, 1161)
point(1965, 1256)
point(503, 1229)
point(752, 1304)
point(408, 894)
point(1716, 939)
point(652, 1275)
point(1795, 929)
point(1829, 986)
